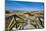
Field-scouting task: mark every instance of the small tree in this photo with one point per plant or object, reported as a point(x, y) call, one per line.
point(7, 12)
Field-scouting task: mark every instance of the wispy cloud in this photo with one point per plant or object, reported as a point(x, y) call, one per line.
point(18, 5)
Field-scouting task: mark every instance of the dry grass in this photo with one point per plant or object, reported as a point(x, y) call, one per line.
point(31, 16)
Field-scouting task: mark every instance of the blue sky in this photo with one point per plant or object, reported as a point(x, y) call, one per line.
point(20, 5)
